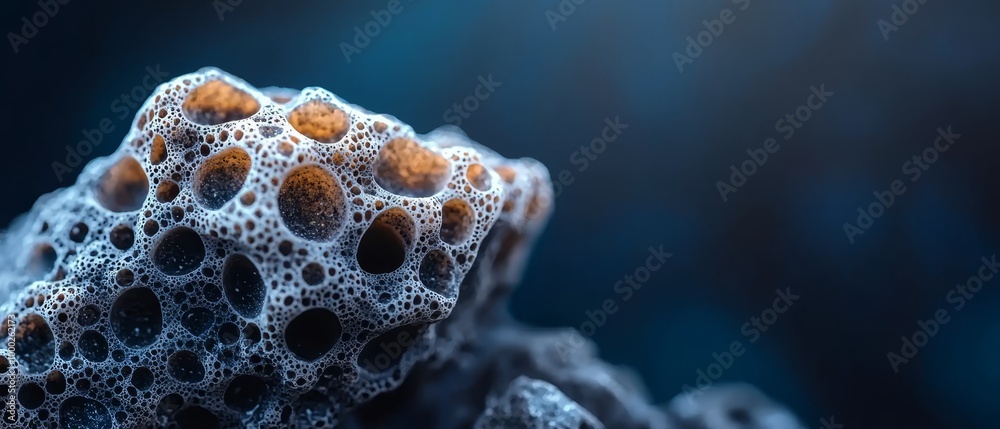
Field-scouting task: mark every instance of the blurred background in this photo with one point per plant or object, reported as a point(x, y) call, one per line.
point(689, 110)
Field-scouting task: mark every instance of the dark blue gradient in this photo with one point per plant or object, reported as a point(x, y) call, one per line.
point(655, 184)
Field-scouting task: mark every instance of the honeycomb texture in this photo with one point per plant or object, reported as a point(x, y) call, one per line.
point(278, 258)
point(250, 258)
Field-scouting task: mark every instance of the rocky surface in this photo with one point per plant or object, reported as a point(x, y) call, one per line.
point(281, 258)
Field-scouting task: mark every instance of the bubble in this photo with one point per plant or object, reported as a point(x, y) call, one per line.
point(151, 227)
point(406, 168)
point(319, 121)
point(456, 222)
point(383, 246)
point(122, 237)
point(198, 320)
point(136, 317)
point(229, 333)
point(216, 102)
point(479, 177)
point(123, 187)
point(66, 350)
point(221, 177)
point(83, 413)
point(142, 378)
point(88, 315)
point(93, 346)
point(55, 382)
point(245, 393)
point(313, 274)
point(179, 252)
point(158, 153)
point(437, 272)
point(31, 396)
point(35, 347)
point(185, 366)
point(311, 203)
point(79, 232)
point(313, 333)
point(243, 285)
point(166, 191)
point(124, 277)
point(251, 333)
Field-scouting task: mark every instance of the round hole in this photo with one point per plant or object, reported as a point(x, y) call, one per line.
point(136, 317)
point(245, 393)
point(479, 177)
point(221, 177)
point(383, 246)
point(31, 396)
point(166, 191)
point(36, 347)
point(456, 221)
point(313, 274)
point(313, 333)
point(216, 102)
point(437, 271)
point(185, 366)
point(122, 237)
point(123, 187)
point(158, 153)
point(243, 285)
point(406, 168)
point(198, 320)
point(93, 346)
point(142, 378)
point(83, 413)
point(311, 203)
point(179, 252)
point(319, 121)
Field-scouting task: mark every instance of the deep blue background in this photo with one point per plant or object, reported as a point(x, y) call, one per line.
point(656, 184)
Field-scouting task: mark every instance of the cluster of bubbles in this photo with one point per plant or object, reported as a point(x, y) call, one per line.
point(247, 257)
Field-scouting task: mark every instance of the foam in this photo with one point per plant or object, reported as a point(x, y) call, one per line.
point(248, 257)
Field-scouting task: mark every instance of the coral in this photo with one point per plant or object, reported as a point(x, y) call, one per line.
point(280, 258)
